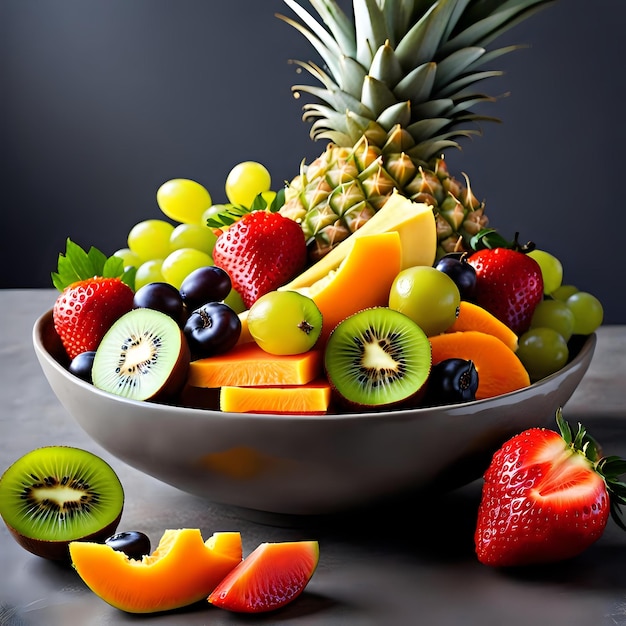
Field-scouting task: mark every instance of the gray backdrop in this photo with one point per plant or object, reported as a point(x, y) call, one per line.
point(104, 100)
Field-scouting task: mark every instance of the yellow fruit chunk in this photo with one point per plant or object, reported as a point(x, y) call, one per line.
point(474, 317)
point(499, 369)
point(311, 398)
point(248, 365)
point(182, 570)
point(415, 224)
point(361, 281)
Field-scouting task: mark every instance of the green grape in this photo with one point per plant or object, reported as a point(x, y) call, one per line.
point(193, 236)
point(542, 351)
point(180, 263)
point(554, 314)
point(426, 295)
point(235, 301)
point(150, 239)
point(183, 200)
point(129, 257)
point(246, 181)
point(149, 272)
point(564, 292)
point(588, 312)
point(551, 270)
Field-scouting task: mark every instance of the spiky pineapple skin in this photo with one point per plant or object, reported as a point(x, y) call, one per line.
point(338, 192)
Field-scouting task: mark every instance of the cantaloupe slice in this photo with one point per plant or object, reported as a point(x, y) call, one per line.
point(182, 570)
point(499, 369)
point(414, 222)
point(311, 398)
point(247, 365)
point(361, 281)
point(474, 317)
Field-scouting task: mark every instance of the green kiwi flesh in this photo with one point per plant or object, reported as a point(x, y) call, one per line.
point(143, 356)
point(57, 494)
point(377, 357)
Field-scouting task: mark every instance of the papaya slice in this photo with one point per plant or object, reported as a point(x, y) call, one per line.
point(313, 397)
point(182, 570)
point(474, 317)
point(270, 577)
point(248, 365)
point(499, 368)
point(361, 281)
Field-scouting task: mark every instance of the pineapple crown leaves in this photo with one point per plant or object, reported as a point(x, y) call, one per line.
point(76, 265)
point(234, 212)
point(396, 55)
point(609, 467)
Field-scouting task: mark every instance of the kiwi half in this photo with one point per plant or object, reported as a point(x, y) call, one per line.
point(57, 494)
point(143, 356)
point(377, 357)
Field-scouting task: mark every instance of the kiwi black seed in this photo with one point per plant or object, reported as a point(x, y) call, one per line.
point(143, 356)
point(57, 494)
point(377, 357)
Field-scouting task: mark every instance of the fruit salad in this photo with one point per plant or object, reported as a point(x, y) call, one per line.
point(239, 319)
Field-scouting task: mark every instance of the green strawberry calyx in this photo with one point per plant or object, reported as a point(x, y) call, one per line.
point(489, 238)
point(610, 468)
point(76, 265)
point(234, 212)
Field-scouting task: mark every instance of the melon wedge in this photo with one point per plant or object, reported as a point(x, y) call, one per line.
point(248, 365)
point(182, 570)
point(312, 398)
point(415, 224)
point(361, 281)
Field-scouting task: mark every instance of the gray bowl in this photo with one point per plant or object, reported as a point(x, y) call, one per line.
point(305, 464)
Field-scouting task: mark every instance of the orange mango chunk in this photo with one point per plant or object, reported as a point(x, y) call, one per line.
point(499, 368)
point(474, 317)
point(248, 365)
point(311, 398)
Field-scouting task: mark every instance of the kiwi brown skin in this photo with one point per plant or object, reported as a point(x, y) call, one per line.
point(32, 483)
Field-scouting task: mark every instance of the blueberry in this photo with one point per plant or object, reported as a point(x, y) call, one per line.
point(81, 365)
point(452, 381)
point(214, 328)
point(161, 297)
point(133, 543)
point(460, 271)
point(206, 284)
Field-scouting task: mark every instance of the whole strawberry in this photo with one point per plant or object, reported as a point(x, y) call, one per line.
point(546, 497)
point(93, 296)
point(508, 284)
point(260, 251)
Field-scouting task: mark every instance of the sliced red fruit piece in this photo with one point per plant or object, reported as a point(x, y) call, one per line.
point(270, 577)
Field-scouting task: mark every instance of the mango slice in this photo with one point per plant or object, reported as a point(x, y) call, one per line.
point(182, 570)
point(311, 398)
point(247, 365)
point(361, 281)
point(414, 222)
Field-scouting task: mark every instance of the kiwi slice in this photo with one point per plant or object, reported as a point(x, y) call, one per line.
point(57, 494)
point(377, 357)
point(143, 356)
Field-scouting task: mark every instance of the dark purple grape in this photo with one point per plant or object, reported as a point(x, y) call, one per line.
point(161, 297)
point(460, 271)
point(206, 284)
point(452, 381)
point(132, 543)
point(81, 365)
point(212, 329)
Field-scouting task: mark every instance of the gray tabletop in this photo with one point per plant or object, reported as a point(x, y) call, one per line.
point(406, 563)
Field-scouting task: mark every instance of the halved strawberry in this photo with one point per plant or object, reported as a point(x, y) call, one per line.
point(547, 497)
point(93, 296)
point(270, 577)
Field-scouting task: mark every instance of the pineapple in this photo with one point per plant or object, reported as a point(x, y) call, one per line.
point(397, 90)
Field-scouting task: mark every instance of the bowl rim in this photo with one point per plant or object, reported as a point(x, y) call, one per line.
point(587, 346)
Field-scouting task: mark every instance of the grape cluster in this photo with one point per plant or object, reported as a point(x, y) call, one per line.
point(168, 251)
point(564, 313)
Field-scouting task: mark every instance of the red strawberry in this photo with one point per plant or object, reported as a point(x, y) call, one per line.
point(261, 251)
point(546, 497)
point(508, 284)
point(93, 297)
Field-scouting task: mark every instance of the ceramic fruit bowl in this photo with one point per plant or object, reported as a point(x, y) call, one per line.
point(305, 464)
